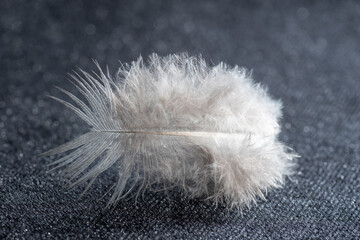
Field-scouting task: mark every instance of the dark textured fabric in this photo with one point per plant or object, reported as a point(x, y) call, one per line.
point(308, 54)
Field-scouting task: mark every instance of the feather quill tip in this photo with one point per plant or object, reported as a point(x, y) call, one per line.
point(210, 131)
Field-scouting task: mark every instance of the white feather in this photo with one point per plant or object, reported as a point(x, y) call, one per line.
point(176, 121)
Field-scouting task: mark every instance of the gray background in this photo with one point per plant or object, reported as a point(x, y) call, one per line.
point(308, 54)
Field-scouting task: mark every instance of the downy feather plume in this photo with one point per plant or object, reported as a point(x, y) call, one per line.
point(176, 122)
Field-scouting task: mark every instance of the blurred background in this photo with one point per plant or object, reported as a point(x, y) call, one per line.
point(306, 52)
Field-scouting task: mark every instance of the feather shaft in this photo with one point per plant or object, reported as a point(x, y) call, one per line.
point(179, 133)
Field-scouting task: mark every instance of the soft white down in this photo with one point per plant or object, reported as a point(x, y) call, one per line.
point(176, 122)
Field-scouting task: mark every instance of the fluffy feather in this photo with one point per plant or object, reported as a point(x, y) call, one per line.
point(176, 121)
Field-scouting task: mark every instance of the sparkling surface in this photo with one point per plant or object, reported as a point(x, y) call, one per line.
point(308, 54)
